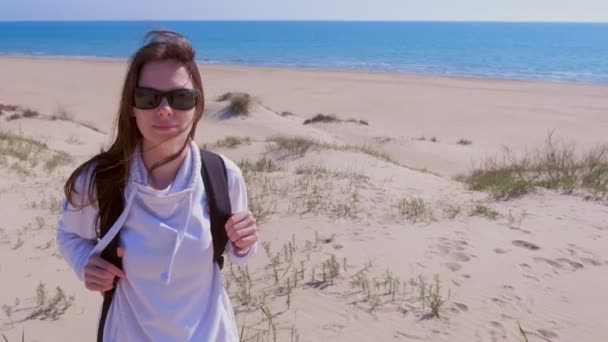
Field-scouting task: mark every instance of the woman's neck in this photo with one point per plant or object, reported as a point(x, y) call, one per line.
point(163, 175)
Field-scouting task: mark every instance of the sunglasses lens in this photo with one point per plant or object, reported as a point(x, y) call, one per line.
point(146, 99)
point(183, 99)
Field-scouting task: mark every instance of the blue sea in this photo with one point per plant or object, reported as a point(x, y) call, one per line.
point(532, 51)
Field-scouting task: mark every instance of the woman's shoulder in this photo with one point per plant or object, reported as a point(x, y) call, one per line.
point(233, 171)
point(85, 174)
point(80, 185)
point(231, 167)
point(237, 187)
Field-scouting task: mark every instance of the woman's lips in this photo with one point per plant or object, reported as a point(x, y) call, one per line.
point(164, 126)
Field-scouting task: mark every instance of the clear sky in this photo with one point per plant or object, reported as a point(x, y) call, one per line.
point(451, 10)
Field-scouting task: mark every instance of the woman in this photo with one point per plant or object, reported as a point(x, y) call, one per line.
point(135, 222)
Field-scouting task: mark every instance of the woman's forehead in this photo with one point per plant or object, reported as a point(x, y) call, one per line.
point(164, 75)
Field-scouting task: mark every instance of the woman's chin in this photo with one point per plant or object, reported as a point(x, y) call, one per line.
point(155, 138)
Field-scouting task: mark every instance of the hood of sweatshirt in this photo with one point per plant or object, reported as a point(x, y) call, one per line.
point(172, 206)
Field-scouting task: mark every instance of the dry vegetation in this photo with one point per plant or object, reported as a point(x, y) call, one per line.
point(298, 146)
point(14, 112)
point(290, 270)
point(22, 154)
point(229, 142)
point(324, 118)
point(45, 308)
point(555, 166)
point(240, 103)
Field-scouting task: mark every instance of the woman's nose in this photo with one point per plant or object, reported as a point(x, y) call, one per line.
point(164, 109)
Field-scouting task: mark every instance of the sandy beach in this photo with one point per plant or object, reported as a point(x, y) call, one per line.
point(365, 227)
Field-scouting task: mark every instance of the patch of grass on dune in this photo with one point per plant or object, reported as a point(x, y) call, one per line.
point(57, 160)
point(553, 166)
point(329, 118)
point(240, 103)
point(298, 146)
point(322, 118)
point(260, 165)
point(27, 153)
point(229, 142)
point(19, 146)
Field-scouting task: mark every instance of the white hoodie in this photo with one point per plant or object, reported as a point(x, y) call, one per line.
point(173, 290)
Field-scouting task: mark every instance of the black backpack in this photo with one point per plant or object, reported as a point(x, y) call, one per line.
point(214, 175)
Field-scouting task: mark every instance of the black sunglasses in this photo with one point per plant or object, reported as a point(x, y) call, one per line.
point(180, 99)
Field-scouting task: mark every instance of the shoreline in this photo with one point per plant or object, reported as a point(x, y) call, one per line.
point(491, 113)
point(437, 76)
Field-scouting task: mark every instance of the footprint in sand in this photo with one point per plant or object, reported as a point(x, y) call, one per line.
point(443, 249)
point(497, 330)
point(453, 266)
point(531, 277)
point(561, 263)
point(526, 245)
point(461, 307)
point(548, 261)
point(547, 333)
point(461, 245)
point(573, 264)
point(592, 262)
point(461, 257)
point(446, 246)
point(499, 302)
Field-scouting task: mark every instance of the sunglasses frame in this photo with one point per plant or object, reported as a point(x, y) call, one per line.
point(167, 95)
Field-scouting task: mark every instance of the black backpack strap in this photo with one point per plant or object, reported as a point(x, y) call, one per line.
point(105, 309)
point(110, 252)
point(215, 179)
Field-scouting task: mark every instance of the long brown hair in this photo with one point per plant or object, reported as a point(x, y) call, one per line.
point(110, 169)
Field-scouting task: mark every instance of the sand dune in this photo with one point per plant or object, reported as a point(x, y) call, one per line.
point(352, 230)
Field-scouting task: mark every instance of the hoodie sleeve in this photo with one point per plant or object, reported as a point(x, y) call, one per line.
point(76, 235)
point(238, 200)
